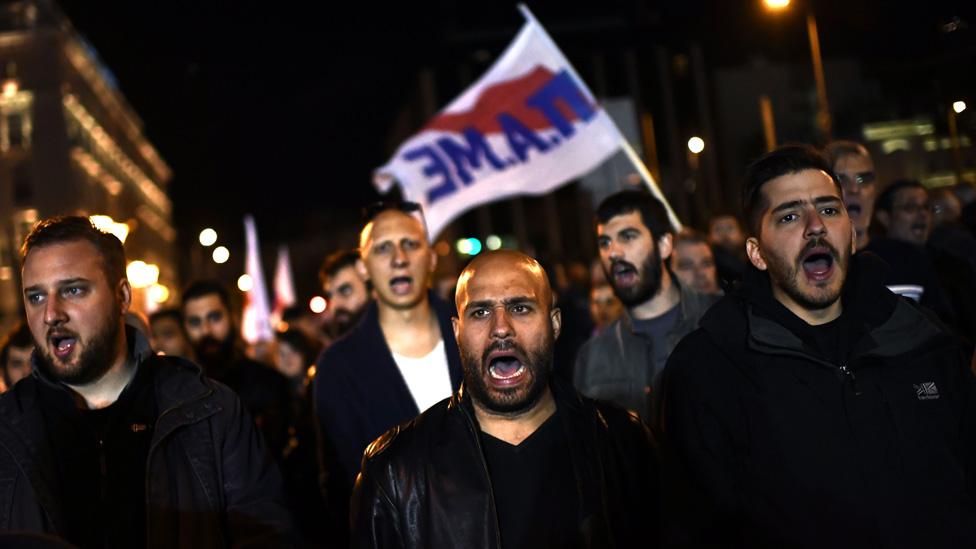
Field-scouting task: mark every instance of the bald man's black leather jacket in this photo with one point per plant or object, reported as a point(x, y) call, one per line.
point(425, 483)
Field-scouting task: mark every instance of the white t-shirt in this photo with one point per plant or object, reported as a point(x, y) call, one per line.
point(427, 377)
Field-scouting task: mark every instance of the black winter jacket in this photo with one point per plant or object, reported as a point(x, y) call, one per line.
point(770, 445)
point(209, 479)
point(426, 483)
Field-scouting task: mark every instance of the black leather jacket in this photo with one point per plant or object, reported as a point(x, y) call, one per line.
point(209, 480)
point(425, 483)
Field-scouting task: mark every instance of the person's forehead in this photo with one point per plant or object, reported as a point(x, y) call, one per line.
point(501, 279)
point(854, 163)
point(343, 275)
point(393, 224)
point(693, 249)
point(204, 304)
point(805, 185)
point(623, 221)
point(911, 194)
point(76, 259)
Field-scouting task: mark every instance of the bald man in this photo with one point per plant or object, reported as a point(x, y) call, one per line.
point(399, 359)
point(514, 458)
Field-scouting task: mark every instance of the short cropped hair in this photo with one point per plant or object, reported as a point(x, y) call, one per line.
point(886, 200)
point(337, 262)
point(201, 288)
point(18, 336)
point(690, 236)
point(652, 212)
point(75, 228)
point(785, 160)
point(162, 314)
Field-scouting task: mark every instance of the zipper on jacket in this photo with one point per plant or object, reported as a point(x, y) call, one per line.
point(850, 375)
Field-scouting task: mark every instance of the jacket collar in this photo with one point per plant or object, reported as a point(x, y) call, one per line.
point(689, 306)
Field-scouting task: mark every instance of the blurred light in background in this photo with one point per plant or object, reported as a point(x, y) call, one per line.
point(106, 224)
point(221, 254)
point(776, 4)
point(696, 144)
point(493, 242)
point(245, 283)
point(959, 106)
point(142, 274)
point(469, 246)
point(317, 304)
point(158, 293)
point(208, 237)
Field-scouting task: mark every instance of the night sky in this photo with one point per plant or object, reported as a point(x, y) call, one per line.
point(284, 109)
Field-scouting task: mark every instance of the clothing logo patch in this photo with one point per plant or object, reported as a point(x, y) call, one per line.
point(926, 391)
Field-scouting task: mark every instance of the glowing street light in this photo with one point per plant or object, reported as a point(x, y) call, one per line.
point(142, 274)
point(317, 304)
point(158, 293)
point(696, 145)
point(776, 4)
point(959, 106)
point(221, 254)
point(245, 283)
point(208, 237)
point(493, 242)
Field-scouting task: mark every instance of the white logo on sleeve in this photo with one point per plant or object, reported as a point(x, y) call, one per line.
point(926, 391)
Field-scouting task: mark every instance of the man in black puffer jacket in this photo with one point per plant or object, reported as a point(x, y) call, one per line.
point(107, 444)
point(513, 459)
point(813, 407)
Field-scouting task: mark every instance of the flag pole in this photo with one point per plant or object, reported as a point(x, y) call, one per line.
point(625, 145)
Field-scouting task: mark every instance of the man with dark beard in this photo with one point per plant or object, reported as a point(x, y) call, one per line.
point(622, 363)
point(107, 444)
point(345, 291)
point(514, 459)
point(217, 347)
point(814, 407)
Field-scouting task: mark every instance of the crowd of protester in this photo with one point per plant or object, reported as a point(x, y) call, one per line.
point(796, 374)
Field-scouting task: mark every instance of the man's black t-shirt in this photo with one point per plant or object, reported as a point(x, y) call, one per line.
point(534, 487)
point(657, 329)
point(101, 462)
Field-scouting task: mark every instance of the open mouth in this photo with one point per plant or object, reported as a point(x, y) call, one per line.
point(853, 209)
point(505, 369)
point(624, 274)
point(818, 264)
point(919, 230)
point(401, 285)
point(63, 344)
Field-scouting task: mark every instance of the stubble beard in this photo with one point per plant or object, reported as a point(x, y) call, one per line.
point(648, 285)
point(94, 361)
point(786, 276)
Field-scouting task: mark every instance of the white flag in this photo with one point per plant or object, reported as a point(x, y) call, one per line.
point(256, 324)
point(284, 284)
point(526, 126)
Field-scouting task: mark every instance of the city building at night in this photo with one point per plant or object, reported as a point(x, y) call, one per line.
point(71, 144)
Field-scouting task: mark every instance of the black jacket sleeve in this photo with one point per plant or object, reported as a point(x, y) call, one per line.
point(374, 518)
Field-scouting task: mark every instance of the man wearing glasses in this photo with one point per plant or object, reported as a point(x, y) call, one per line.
point(401, 358)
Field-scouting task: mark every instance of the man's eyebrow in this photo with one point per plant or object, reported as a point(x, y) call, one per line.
point(515, 300)
point(826, 199)
point(65, 282)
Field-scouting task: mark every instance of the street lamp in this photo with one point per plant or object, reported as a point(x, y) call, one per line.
point(221, 254)
point(957, 108)
point(696, 145)
point(823, 109)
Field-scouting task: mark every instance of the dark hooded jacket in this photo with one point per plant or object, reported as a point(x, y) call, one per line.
point(209, 479)
point(769, 443)
point(426, 483)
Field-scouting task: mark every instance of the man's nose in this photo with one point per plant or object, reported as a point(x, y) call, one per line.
point(53, 312)
point(399, 257)
point(815, 225)
point(501, 325)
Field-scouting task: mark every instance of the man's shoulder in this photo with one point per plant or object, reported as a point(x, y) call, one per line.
point(408, 445)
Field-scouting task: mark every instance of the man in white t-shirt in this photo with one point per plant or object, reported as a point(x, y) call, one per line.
point(402, 357)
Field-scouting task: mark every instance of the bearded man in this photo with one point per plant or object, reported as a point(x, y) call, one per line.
point(513, 459)
point(622, 364)
point(814, 407)
point(107, 444)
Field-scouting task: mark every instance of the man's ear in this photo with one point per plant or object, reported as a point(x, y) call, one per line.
point(665, 245)
point(755, 254)
point(556, 319)
point(124, 294)
point(361, 269)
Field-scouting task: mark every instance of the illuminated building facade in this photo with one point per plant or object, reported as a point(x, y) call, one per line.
point(71, 144)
